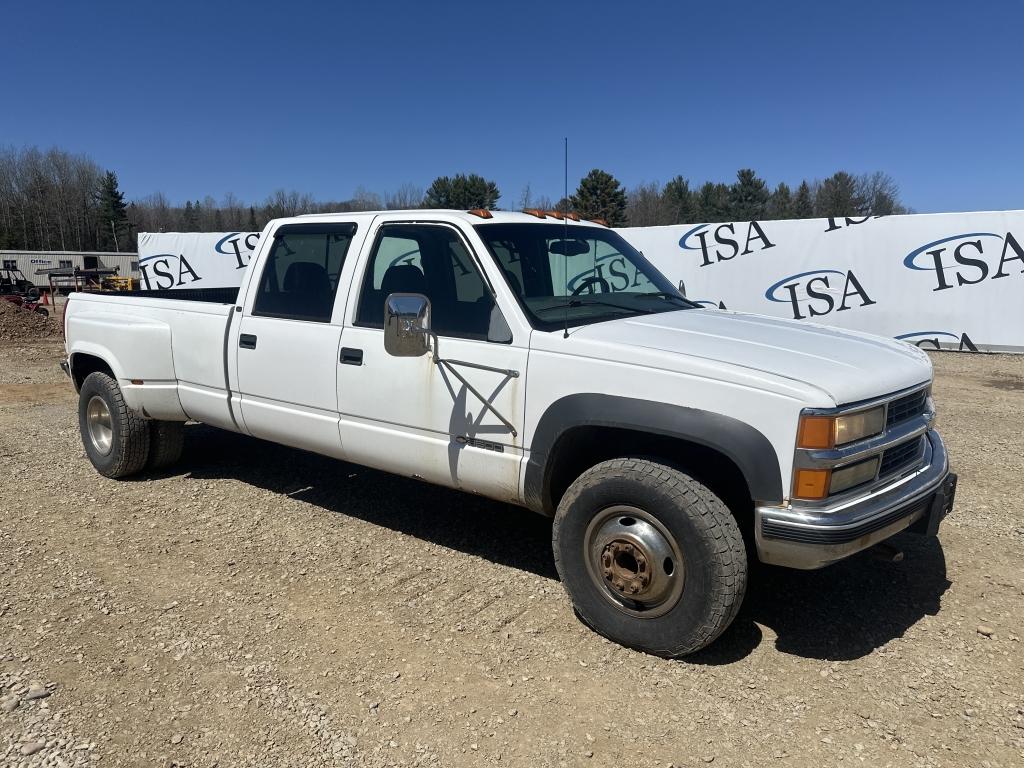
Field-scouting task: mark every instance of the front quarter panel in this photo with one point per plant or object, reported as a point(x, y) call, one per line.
point(740, 413)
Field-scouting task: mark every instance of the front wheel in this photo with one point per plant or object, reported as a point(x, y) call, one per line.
point(115, 439)
point(651, 558)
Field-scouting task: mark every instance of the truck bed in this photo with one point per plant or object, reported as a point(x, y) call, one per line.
point(172, 340)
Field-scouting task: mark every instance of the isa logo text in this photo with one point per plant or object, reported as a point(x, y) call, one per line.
point(968, 259)
point(819, 292)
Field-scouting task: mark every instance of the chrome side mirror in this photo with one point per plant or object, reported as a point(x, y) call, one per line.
point(406, 324)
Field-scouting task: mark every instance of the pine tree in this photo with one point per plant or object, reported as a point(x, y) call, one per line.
point(748, 196)
point(190, 218)
point(713, 203)
point(780, 205)
point(803, 205)
point(462, 192)
point(600, 196)
point(839, 195)
point(111, 215)
point(679, 201)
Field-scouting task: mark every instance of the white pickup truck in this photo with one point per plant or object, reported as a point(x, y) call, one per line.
point(540, 360)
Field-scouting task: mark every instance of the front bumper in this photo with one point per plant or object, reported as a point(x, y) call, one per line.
point(806, 536)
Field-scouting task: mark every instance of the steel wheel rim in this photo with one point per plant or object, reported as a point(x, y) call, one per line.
point(99, 425)
point(634, 562)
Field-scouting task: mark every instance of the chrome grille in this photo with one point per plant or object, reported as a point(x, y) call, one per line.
point(906, 407)
point(900, 456)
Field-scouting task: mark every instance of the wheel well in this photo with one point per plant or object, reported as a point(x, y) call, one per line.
point(582, 447)
point(82, 365)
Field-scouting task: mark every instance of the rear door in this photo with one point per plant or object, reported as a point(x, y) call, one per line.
point(288, 338)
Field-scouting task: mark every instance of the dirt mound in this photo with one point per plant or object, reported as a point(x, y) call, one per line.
point(17, 324)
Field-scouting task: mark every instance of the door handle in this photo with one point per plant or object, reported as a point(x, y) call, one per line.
point(247, 340)
point(351, 356)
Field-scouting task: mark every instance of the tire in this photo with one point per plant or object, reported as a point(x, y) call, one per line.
point(115, 439)
point(41, 311)
point(166, 440)
point(651, 558)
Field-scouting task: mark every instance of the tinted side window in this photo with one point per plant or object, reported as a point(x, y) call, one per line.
point(300, 277)
point(432, 260)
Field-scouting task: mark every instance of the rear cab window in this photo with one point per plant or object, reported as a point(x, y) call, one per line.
point(300, 276)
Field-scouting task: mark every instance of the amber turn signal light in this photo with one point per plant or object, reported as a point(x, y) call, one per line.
point(811, 483)
point(483, 213)
point(816, 432)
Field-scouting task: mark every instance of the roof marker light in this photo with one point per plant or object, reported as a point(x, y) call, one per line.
point(483, 213)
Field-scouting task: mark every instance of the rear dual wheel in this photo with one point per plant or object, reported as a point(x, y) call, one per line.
point(651, 558)
point(117, 441)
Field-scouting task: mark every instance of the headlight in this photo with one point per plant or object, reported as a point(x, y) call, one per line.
point(857, 426)
point(817, 484)
point(855, 474)
point(830, 431)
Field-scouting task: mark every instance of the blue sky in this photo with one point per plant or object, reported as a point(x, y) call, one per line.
point(208, 98)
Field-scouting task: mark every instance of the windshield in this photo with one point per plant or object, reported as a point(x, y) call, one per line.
point(572, 275)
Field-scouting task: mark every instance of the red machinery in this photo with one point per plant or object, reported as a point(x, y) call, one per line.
point(28, 302)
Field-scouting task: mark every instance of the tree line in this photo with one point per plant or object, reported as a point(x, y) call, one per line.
point(55, 200)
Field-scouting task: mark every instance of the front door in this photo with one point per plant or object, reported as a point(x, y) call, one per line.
point(411, 415)
point(287, 340)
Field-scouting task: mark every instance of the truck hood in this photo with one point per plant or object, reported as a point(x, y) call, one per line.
point(848, 366)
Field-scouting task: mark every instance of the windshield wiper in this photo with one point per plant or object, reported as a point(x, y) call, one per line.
point(580, 303)
point(667, 295)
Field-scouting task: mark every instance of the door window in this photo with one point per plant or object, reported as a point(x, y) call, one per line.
point(432, 260)
point(301, 274)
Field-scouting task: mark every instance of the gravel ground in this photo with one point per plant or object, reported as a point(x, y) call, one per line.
point(261, 606)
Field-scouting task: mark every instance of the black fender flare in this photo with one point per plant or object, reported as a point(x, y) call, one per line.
point(744, 445)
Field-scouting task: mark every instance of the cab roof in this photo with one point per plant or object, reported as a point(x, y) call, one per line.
point(471, 218)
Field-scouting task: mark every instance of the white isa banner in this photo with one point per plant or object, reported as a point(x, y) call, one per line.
point(949, 280)
point(170, 260)
point(944, 280)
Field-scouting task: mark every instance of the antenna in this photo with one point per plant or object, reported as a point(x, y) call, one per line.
point(565, 236)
